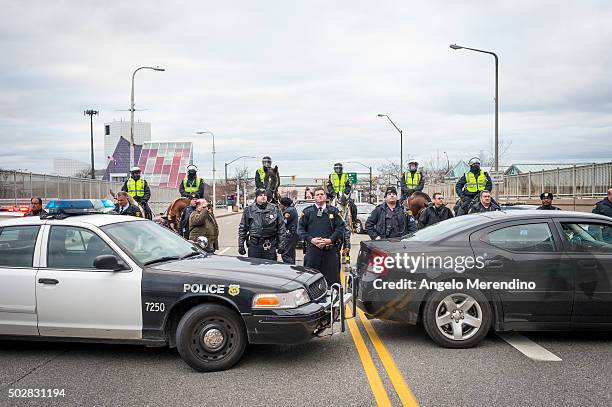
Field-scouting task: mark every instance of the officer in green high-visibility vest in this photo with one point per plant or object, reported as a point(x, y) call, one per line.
point(472, 183)
point(192, 183)
point(139, 190)
point(412, 180)
point(339, 185)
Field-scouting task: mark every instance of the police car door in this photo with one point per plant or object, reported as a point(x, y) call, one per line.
point(19, 255)
point(77, 300)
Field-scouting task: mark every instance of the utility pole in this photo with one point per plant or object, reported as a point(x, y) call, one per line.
point(91, 113)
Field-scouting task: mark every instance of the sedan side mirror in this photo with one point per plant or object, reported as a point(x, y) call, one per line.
point(202, 242)
point(108, 262)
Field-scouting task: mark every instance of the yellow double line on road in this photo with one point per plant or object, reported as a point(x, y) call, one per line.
point(378, 389)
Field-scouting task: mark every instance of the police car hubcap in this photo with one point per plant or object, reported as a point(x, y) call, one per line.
point(212, 338)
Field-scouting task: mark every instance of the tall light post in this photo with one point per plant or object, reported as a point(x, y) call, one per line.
point(456, 47)
point(156, 68)
point(91, 113)
point(235, 159)
point(214, 169)
point(401, 142)
point(369, 168)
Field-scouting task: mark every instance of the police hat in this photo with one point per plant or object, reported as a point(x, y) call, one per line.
point(260, 191)
point(287, 202)
point(390, 190)
point(546, 195)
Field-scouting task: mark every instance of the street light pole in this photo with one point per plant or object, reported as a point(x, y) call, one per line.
point(214, 169)
point(456, 47)
point(237, 181)
point(369, 168)
point(401, 142)
point(131, 161)
point(91, 113)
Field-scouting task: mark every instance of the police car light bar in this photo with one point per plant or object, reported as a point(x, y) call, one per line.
point(62, 208)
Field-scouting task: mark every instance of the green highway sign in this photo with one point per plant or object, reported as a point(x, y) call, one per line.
point(352, 176)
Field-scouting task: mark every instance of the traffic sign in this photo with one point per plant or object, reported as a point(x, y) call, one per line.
point(352, 176)
point(497, 177)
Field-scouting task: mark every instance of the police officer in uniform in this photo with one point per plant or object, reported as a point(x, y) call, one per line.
point(389, 219)
point(471, 184)
point(139, 190)
point(604, 207)
point(262, 228)
point(123, 206)
point(412, 180)
point(339, 184)
point(290, 217)
point(322, 231)
point(192, 183)
point(547, 199)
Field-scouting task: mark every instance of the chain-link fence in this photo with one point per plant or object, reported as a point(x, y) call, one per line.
point(577, 181)
point(17, 188)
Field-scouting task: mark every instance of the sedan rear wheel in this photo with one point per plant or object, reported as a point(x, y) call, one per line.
point(458, 319)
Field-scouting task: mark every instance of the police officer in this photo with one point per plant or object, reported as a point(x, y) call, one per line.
point(290, 217)
point(339, 184)
point(471, 184)
point(485, 204)
point(547, 199)
point(322, 231)
point(123, 206)
point(389, 219)
point(412, 180)
point(139, 190)
point(262, 228)
point(192, 183)
point(604, 207)
point(184, 222)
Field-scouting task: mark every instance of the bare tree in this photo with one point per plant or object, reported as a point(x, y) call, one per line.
point(488, 157)
point(84, 173)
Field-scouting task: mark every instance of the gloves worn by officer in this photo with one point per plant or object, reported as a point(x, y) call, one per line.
point(242, 250)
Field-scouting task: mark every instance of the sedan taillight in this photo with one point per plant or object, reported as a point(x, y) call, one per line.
point(376, 262)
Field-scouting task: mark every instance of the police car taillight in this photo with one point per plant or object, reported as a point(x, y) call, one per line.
point(376, 262)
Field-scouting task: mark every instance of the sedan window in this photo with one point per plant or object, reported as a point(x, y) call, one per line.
point(17, 245)
point(588, 237)
point(533, 237)
point(72, 247)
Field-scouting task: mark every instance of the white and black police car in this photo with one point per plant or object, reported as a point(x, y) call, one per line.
point(111, 278)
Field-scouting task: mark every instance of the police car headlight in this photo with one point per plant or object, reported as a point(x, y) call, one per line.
point(292, 299)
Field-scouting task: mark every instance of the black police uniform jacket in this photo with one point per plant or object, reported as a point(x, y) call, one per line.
point(603, 207)
point(131, 210)
point(376, 225)
point(432, 215)
point(330, 225)
point(262, 223)
point(548, 208)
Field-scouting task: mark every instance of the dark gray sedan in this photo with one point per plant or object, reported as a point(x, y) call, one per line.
point(520, 270)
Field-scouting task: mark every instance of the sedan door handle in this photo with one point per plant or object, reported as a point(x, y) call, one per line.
point(494, 264)
point(587, 264)
point(48, 281)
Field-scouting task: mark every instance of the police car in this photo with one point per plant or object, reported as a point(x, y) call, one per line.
point(112, 278)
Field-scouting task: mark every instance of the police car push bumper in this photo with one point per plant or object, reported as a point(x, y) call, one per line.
point(297, 325)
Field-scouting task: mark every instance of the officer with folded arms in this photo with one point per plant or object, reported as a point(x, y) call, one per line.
point(323, 231)
point(262, 228)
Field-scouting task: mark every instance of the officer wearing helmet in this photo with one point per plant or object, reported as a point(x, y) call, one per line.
point(192, 183)
point(339, 184)
point(265, 175)
point(412, 180)
point(262, 228)
point(472, 183)
point(139, 190)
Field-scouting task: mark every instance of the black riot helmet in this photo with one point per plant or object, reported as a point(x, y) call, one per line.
point(338, 168)
point(266, 162)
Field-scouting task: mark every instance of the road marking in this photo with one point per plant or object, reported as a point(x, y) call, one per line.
point(224, 250)
point(376, 384)
point(401, 388)
point(528, 348)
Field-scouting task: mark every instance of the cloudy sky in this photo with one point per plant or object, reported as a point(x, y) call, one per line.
point(303, 81)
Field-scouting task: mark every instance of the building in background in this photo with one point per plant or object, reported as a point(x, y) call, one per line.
point(164, 164)
point(67, 167)
point(115, 130)
point(119, 161)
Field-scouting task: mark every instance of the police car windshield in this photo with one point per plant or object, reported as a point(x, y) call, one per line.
point(148, 243)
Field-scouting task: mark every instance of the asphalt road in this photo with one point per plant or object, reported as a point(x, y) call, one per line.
point(372, 362)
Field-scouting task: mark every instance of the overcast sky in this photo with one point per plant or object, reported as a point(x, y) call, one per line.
point(303, 81)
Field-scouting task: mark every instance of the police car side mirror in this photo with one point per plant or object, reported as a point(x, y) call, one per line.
point(108, 262)
point(202, 242)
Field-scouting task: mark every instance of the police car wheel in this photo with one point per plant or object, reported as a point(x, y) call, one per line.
point(358, 227)
point(457, 319)
point(211, 337)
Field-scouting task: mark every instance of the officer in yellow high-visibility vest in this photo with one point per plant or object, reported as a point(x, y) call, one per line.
point(338, 184)
point(266, 178)
point(192, 183)
point(412, 180)
point(139, 190)
point(472, 183)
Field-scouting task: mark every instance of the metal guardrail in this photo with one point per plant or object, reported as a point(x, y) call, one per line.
point(578, 181)
point(18, 187)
